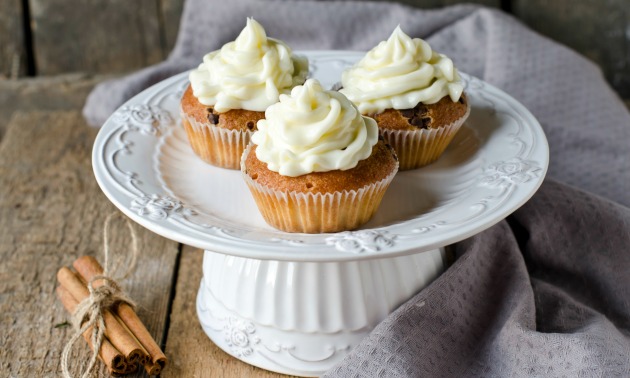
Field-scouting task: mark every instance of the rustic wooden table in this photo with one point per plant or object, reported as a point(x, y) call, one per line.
point(51, 212)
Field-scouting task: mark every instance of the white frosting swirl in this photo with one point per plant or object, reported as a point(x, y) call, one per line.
point(400, 73)
point(248, 73)
point(313, 130)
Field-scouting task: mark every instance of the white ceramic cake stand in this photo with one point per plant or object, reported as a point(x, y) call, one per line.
point(298, 303)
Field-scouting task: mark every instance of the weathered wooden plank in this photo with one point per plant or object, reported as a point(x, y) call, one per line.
point(52, 211)
point(63, 92)
point(94, 35)
point(171, 13)
point(12, 48)
point(597, 29)
point(191, 351)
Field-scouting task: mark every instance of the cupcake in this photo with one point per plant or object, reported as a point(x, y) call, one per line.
point(315, 164)
point(414, 94)
point(230, 91)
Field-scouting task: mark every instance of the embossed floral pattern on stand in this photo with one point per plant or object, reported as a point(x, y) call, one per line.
point(240, 335)
point(145, 118)
point(361, 241)
point(513, 171)
point(159, 207)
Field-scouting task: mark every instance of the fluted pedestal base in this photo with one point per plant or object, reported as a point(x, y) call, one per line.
point(302, 318)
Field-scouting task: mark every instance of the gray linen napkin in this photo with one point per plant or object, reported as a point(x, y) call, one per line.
point(544, 293)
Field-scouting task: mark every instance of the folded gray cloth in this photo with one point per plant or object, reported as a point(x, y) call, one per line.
point(544, 293)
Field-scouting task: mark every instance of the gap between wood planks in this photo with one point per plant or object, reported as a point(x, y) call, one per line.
point(171, 295)
point(31, 68)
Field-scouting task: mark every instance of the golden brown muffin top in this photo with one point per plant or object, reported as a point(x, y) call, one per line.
point(235, 119)
point(422, 116)
point(373, 169)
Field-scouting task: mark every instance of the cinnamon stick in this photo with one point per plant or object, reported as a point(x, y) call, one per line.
point(88, 267)
point(153, 368)
point(114, 331)
point(110, 356)
point(129, 368)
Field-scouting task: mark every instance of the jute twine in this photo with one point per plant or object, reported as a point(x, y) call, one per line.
point(89, 313)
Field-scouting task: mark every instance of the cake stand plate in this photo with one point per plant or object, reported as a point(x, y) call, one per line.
point(298, 303)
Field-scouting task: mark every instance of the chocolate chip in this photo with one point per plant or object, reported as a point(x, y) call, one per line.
point(416, 121)
point(421, 122)
point(250, 125)
point(415, 114)
point(213, 118)
point(408, 113)
point(421, 109)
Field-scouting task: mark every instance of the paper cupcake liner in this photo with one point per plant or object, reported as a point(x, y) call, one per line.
point(216, 145)
point(293, 211)
point(417, 148)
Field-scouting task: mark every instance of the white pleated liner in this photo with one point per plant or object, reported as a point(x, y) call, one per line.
point(417, 148)
point(316, 212)
point(216, 145)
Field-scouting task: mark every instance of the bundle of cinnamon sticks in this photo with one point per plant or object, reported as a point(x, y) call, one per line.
point(127, 343)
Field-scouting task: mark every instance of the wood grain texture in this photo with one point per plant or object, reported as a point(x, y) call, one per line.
point(12, 48)
point(63, 92)
point(95, 36)
point(191, 351)
point(51, 211)
point(171, 13)
point(599, 30)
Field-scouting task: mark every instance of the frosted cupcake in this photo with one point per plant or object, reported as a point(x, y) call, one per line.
point(315, 164)
point(230, 91)
point(414, 93)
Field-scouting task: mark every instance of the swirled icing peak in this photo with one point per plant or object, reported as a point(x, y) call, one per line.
point(400, 73)
point(313, 130)
point(248, 73)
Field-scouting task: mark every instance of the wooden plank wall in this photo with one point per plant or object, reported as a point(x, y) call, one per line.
point(599, 30)
point(92, 36)
point(68, 35)
point(12, 44)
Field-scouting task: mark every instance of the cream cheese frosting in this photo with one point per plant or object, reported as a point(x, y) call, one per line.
point(248, 73)
point(313, 130)
point(400, 73)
